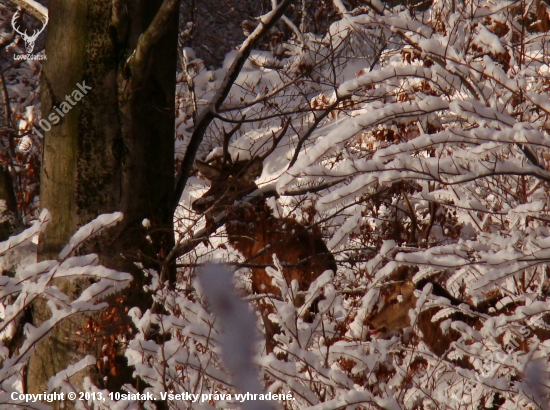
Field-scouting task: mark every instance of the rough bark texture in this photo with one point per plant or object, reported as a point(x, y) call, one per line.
point(112, 152)
point(8, 205)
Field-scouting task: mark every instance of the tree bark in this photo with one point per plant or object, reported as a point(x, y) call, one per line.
point(8, 204)
point(113, 151)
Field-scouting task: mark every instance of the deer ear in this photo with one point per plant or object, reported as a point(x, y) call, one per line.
point(408, 286)
point(208, 171)
point(254, 169)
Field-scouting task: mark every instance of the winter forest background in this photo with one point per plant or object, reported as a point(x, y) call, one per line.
point(411, 136)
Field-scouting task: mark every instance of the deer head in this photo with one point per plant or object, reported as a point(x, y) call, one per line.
point(399, 299)
point(394, 315)
point(230, 182)
point(29, 40)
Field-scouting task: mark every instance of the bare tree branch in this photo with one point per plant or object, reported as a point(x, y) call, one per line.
point(5, 116)
point(149, 39)
point(209, 112)
point(34, 8)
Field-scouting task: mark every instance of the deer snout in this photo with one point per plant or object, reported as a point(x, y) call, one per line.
point(201, 205)
point(377, 331)
point(392, 319)
point(382, 332)
point(374, 329)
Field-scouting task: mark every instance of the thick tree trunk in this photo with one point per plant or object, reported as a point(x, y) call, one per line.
point(8, 205)
point(113, 151)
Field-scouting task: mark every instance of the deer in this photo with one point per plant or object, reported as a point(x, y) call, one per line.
point(29, 40)
point(394, 315)
point(256, 233)
point(399, 297)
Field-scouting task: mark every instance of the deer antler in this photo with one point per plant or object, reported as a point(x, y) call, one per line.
point(29, 40)
point(276, 139)
point(15, 27)
point(227, 137)
point(37, 32)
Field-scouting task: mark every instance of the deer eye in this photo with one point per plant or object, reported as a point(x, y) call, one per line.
point(393, 302)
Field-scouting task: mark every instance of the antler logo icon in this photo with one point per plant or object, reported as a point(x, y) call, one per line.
point(29, 40)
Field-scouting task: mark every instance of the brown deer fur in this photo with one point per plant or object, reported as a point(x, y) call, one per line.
point(394, 316)
point(257, 234)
